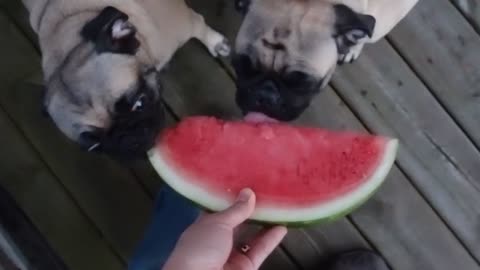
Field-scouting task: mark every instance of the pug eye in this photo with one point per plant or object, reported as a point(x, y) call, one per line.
point(139, 103)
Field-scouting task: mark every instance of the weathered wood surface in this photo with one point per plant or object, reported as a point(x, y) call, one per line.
point(438, 158)
point(16, 13)
point(196, 84)
point(21, 241)
point(471, 9)
point(49, 206)
point(442, 48)
point(313, 247)
point(35, 187)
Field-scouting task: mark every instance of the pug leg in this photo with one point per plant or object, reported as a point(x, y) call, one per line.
point(215, 42)
point(353, 30)
point(352, 54)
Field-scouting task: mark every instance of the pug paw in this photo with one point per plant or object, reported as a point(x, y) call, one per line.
point(122, 29)
point(352, 54)
point(215, 42)
point(223, 48)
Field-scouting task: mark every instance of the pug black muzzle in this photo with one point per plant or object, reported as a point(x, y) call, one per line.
point(282, 96)
point(137, 121)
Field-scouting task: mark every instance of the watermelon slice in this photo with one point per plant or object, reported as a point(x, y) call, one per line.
point(300, 175)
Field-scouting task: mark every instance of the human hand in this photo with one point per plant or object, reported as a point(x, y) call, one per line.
point(208, 243)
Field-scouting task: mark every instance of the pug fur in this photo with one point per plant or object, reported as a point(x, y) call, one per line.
point(102, 61)
point(287, 50)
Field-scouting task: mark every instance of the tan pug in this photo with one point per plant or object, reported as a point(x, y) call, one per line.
point(102, 60)
point(287, 50)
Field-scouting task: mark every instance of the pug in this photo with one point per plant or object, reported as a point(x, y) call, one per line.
point(102, 61)
point(287, 50)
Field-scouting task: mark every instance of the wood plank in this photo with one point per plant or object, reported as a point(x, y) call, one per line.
point(471, 9)
point(49, 206)
point(144, 171)
point(397, 221)
point(17, 13)
point(21, 240)
point(311, 248)
point(194, 75)
point(439, 158)
point(146, 176)
point(106, 191)
point(442, 48)
point(278, 260)
point(10, 69)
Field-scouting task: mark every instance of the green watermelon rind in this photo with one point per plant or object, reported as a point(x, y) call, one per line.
point(173, 176)
point(299, 224)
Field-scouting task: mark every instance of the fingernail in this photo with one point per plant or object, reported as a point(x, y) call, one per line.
point(244, 195)
point(283, 230)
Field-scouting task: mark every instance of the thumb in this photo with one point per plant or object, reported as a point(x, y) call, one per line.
point(239, 212)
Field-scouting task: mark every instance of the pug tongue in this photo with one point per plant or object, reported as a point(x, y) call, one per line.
point(255, 117)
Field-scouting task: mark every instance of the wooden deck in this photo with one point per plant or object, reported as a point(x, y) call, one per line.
point(421, 85)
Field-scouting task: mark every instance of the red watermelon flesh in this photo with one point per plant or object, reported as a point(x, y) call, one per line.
point(303, 173)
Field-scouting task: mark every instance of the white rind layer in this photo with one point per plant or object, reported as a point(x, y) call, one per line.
point(325, 210)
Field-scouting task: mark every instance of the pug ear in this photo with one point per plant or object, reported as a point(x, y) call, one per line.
point(111, 32)
point(351, 27)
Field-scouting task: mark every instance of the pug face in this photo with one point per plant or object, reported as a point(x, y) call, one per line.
point(104, 96)
point(287, 51)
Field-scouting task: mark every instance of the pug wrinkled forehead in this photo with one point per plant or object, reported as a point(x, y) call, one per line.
point(287, 50)
point(105, 94)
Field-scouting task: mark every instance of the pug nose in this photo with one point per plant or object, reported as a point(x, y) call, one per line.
point(267, 95)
